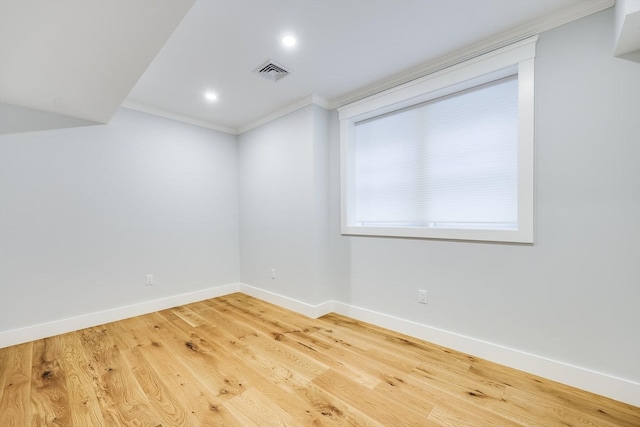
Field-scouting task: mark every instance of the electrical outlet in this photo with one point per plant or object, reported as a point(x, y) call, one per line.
point(422, 296)
point(273, 273)
point(149, 280)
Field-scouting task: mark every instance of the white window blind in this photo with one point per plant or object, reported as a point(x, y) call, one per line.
point(449, 155)
point(450, 162)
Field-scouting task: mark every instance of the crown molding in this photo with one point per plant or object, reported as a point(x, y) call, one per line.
point(168, 115)
point(303, 102)
point(533, 28)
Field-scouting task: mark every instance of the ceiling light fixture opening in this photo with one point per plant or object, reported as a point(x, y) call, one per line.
point(210, 96)
point(289, 41)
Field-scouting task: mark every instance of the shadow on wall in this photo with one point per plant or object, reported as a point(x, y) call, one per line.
point(16, 119)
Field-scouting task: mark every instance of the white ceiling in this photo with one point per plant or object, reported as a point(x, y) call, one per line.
point(80, 58)
point(346, 49)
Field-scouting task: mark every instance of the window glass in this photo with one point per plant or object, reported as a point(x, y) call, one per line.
point(446, 156)
point(449, 162)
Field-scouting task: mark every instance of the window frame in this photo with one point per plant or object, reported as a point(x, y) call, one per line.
point(516, 59)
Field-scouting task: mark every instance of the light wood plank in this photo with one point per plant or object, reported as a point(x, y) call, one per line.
point(15, 406)
point(82, 400)
point(194, 392)
point(238, 361)
point(121, 398)
point(586, 403)
point(370, 402)
point(170, 406)
point(252, 408)
point(188, 316)
point(49, 398)
point(4, 370)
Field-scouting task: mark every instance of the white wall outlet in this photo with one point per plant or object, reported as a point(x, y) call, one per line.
point(149, 280)
point(422, 296)
point(273, 273)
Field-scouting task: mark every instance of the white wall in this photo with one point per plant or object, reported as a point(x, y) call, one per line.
point(574, 296)
point(20, 119)
point(323, 288)
point(569, 302)
point(86, 213)
point(283, 205)
point(340, 246)
point(627, 41)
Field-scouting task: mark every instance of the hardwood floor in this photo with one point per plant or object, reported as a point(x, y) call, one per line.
point(238, 361)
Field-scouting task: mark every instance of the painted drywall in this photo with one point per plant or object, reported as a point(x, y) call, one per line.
point(627, 41)
point(86, 213)
point(323, 290)
point(283, 205)
point(573, 296)
point(80, 58)
point(339, 245)
point(15, 119)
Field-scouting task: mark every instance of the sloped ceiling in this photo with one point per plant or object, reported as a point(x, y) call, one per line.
point(84, 59)
point(628, 29)
point(80, 58)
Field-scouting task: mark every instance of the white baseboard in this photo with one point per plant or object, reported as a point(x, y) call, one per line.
point(595, 382)
point(585, 379)
point(300, 307)
point(56, 327)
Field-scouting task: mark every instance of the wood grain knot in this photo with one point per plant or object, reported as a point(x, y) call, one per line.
point(329, 410)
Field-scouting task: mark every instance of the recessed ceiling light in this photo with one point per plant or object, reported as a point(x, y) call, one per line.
point(210, 96)
point(289, 41)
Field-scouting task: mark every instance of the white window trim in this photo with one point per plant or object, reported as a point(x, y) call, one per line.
point(516, 58)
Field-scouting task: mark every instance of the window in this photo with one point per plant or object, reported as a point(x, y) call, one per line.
point(447, 156)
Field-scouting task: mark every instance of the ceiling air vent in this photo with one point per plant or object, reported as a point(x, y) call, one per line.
point(272, 70)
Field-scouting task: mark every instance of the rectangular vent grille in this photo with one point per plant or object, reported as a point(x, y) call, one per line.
point(272, 70)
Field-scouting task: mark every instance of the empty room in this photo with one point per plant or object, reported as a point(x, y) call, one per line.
point(320, 213)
